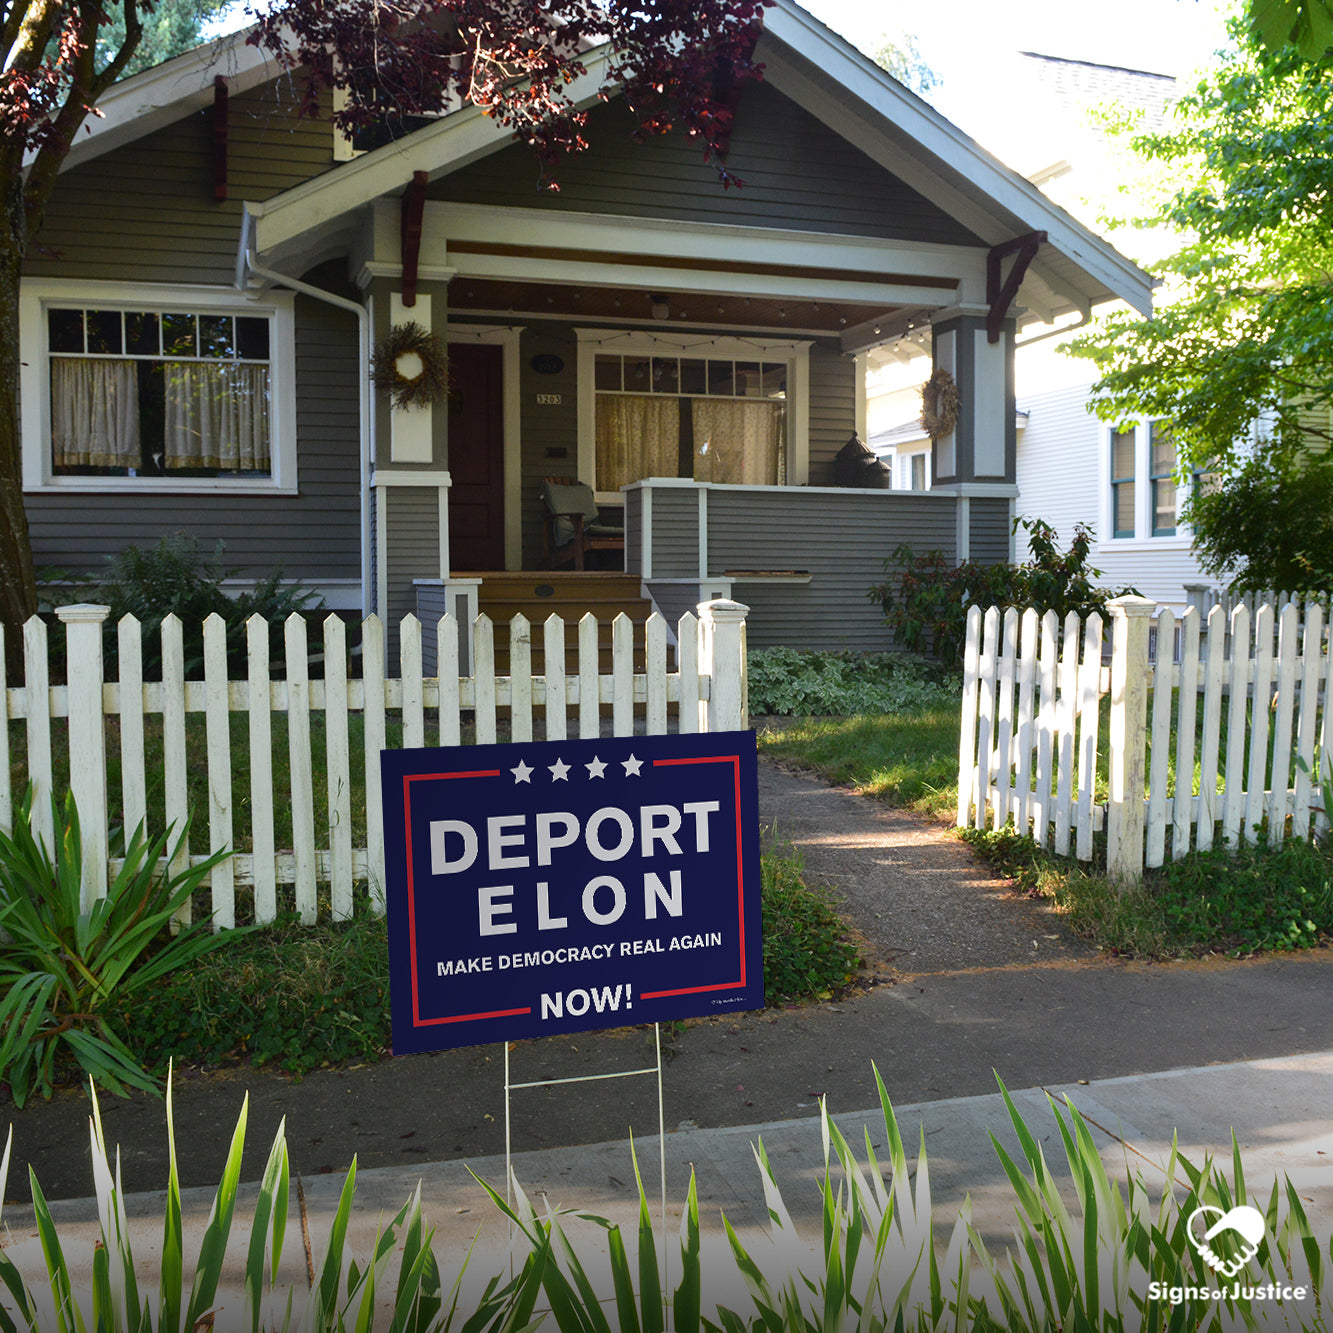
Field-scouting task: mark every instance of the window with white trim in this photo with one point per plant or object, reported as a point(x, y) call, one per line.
point(703, 418)
point(1122, 482)
point(156, 388)
point(158, 393)
point(1162, 475)
point(1143, 493)
point(708, 408)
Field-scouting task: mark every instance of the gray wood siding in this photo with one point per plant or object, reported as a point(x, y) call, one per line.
point(312, 535)
point(842, 539)
point(797, 173)
point(988, 531)
point(152, 200)
point(832, 408)
point(673, 600)
point(633, 532)
point(675, 524)
point(413, 517)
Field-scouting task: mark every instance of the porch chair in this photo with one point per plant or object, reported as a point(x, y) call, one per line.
point(573, 524)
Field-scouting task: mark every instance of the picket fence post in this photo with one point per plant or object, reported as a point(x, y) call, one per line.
point(87, 741)
point(722, 659)
point(1128, 735)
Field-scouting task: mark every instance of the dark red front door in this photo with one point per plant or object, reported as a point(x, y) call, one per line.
point(476, 457)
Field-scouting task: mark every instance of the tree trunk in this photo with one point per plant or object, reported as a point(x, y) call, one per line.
point(18, 584)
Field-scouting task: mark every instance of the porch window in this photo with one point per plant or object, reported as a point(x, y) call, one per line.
point(1122, 482)
point(159, 393)
point(707, 419)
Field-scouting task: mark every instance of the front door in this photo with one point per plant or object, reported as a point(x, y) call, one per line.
point(476, 457)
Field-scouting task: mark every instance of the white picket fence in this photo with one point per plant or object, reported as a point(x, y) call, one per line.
point(703, 690)
point(1235, 710)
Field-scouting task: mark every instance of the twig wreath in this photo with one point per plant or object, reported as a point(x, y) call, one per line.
point(411, 365)
point(939, 403)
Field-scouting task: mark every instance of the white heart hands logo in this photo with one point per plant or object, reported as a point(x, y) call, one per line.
point(1242, 1229)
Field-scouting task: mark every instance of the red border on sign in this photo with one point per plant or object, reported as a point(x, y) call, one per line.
point(417, 1020)
point(735, 761)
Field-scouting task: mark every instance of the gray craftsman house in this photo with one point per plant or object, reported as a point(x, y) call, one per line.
point(215, 271)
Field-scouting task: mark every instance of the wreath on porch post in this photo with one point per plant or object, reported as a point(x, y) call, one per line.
point(411, 365)
point(939, 403)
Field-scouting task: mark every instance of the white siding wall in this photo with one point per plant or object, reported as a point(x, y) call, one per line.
point(1062, 478)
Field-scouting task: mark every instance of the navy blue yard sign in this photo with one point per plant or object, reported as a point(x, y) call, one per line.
point(569, 885)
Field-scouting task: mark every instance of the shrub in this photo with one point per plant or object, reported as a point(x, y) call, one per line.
point(806, 951)
point(64, 970)
point(1251, 897)
point(925, 599)
point(175, 577)
point(292, 995)
point(842, 684)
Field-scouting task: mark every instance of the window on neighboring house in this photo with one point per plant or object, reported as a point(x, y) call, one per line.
point(706, 418)
point(1162, 475)
point(1122, 482)
point(918, 472)
point(159, 393)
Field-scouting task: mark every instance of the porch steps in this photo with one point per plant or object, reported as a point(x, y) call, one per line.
point(569, 595)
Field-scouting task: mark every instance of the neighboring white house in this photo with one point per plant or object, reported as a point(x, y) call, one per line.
point(1071, 467)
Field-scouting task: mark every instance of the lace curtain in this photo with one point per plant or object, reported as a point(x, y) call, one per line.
point(738, 440)
point(217, 416)
point(94, 413)
point(638, 436)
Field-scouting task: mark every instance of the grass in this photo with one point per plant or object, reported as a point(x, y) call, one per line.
point(909, 760)
point(304, 997)
point(1227, 900)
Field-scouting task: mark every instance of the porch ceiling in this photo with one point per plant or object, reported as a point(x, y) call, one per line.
point(622, 304)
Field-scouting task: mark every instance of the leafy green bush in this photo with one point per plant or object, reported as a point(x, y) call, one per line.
point(291, 995)
point(175, 577)
point(806, 952)
point(1240, 900)
point(1251, 897)
point(926, 600)
point(842, 684)
point(65, 971)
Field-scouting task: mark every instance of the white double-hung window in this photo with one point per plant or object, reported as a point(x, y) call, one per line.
point(156, 388)
point(1142, 498)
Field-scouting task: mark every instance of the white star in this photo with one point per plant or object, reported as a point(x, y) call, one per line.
point(522, 773)
point(631, 766)
point(559, 769)
point(596, 769)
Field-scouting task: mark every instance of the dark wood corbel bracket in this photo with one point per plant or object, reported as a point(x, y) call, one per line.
point(413, 210)
point(1000, 295)
point(220, 137)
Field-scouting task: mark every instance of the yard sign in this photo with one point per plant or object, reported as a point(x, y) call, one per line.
point(571, 885)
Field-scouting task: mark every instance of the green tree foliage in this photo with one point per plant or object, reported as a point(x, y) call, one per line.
point(899, 54)
point(171, 29)
point(1239, 352)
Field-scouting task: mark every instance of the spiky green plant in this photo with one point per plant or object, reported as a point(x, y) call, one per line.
point(346, 1296)
point(1086, 1265)
point(64, 969)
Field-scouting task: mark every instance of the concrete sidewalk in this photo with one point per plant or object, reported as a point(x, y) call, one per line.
point(1280, 1111)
